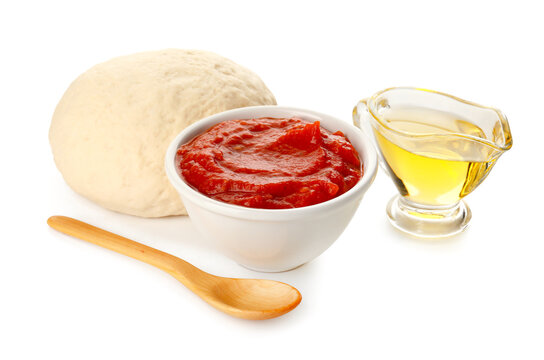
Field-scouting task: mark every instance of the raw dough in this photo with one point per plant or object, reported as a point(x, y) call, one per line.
point(111, 128)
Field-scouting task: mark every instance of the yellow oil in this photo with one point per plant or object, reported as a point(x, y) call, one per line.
point(430, 166)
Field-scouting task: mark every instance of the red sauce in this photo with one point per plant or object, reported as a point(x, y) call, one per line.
point(270, 163)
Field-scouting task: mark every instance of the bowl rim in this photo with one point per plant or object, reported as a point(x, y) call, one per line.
point(366, 151)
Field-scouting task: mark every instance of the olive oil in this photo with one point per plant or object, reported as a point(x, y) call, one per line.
point(437, 148)
point(428, 166)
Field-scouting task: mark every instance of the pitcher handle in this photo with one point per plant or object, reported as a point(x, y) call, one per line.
point(358, 111)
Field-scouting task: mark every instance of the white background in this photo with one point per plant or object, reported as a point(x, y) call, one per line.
point(374, 294)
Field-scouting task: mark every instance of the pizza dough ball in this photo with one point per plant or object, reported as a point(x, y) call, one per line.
point(111, 129)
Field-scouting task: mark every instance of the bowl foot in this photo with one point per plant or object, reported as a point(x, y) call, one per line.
point(270, 270)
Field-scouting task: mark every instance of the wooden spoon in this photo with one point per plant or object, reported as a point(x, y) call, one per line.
point(244, 298)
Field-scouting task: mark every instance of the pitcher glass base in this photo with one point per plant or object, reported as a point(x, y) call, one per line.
point(428, 221)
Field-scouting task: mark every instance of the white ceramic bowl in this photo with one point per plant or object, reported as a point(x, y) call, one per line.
point(277, 239)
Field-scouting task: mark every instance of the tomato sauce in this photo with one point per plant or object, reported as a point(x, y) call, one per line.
point(270, 163)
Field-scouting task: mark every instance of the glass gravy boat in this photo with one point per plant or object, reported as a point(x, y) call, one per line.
point(437, 148)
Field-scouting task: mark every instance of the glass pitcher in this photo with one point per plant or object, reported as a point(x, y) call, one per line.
point(437, 149)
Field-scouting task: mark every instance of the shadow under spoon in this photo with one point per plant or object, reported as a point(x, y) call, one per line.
point(255, 299)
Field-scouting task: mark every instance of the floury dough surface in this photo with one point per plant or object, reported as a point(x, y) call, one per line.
point(111, 129)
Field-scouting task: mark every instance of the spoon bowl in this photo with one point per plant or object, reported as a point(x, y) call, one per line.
point(255, 299)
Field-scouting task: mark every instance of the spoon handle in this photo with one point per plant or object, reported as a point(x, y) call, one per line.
point(122, 245)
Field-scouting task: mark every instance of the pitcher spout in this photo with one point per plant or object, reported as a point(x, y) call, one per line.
point(501, 132)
